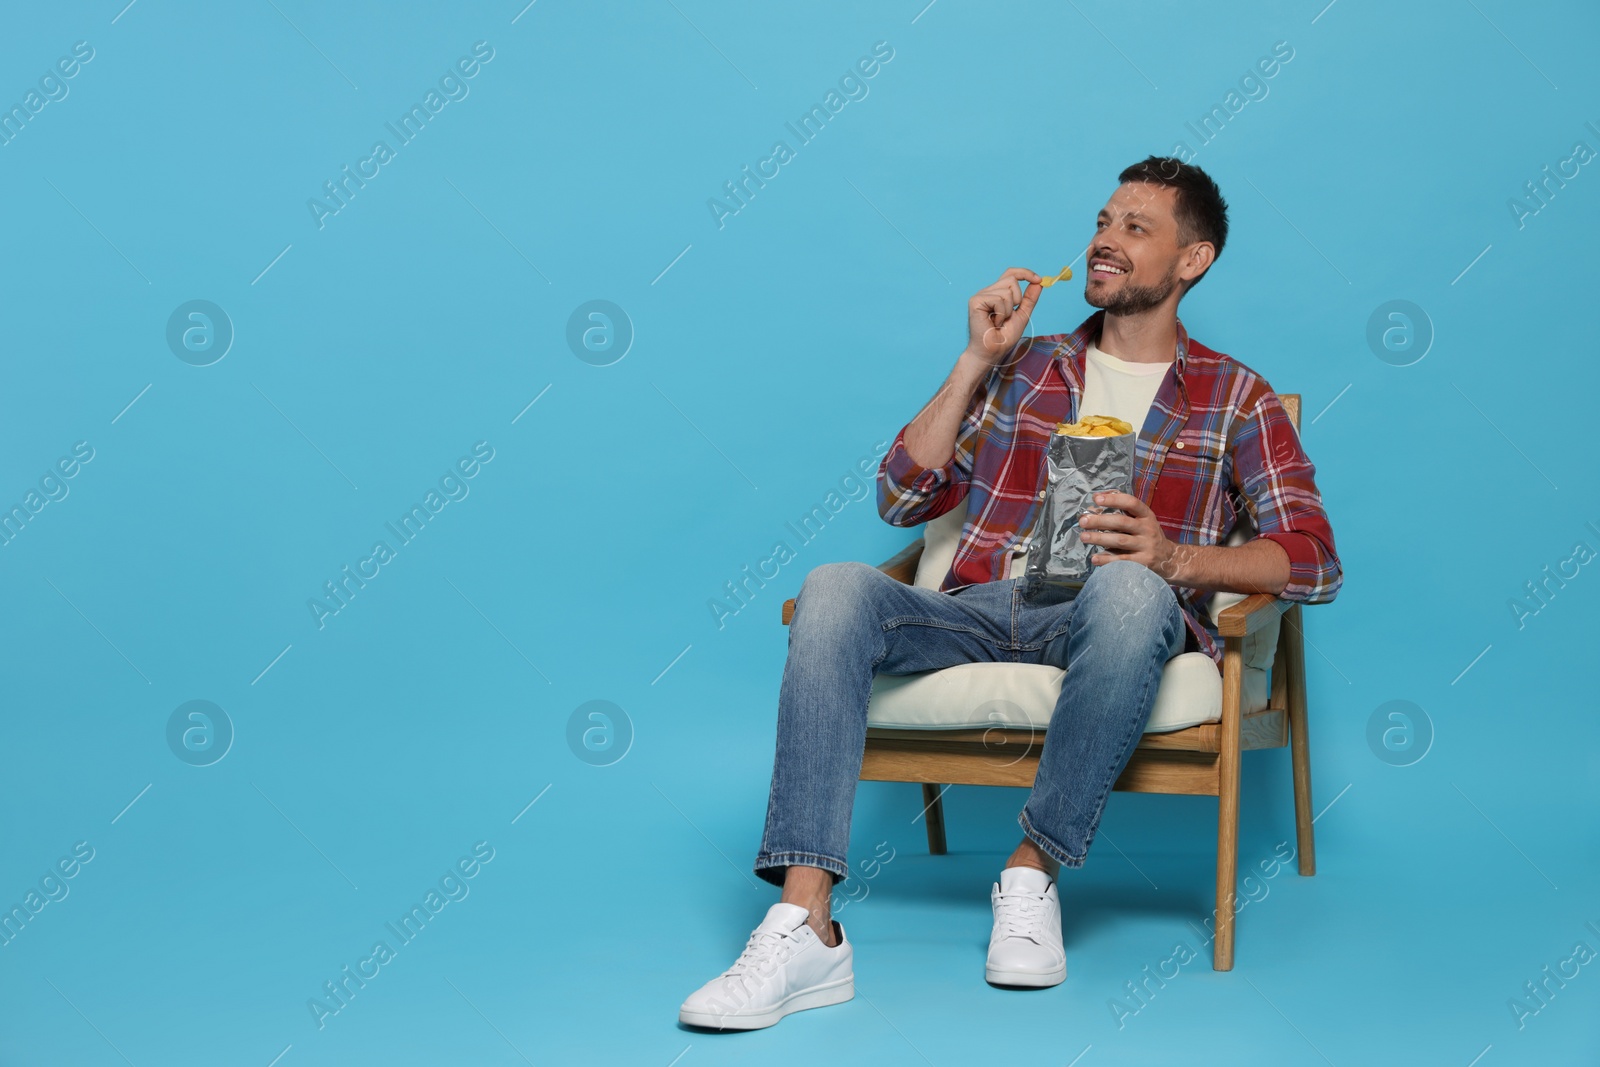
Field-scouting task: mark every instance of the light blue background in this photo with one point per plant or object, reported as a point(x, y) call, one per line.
point(772, 355)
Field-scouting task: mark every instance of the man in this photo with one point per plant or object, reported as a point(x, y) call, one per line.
point(1216, 449)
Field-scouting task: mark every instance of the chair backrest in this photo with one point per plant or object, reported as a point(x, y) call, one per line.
point(942, 536)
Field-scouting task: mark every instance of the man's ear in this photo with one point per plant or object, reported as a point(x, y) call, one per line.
point(1196, 259)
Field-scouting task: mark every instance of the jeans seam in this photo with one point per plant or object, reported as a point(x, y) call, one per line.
point(1043, 840)
point(923, 620)
point(831, 864)
point(890, 631)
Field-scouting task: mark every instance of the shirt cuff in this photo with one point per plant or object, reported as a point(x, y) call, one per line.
point(904, 471)
point(1305, 560)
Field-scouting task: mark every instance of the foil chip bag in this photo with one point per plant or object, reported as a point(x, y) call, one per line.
point(1092, 455)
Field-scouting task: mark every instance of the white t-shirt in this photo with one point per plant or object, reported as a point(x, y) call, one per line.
point(1114, 387)
point(1118, 388)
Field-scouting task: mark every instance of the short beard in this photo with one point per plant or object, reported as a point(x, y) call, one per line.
point(1134, 299)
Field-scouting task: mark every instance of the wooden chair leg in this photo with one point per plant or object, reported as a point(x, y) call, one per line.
point(1228, 761)
point(933, 814)
point(1299, 742)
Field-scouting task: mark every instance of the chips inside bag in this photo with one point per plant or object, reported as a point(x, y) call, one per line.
point(1092, 455)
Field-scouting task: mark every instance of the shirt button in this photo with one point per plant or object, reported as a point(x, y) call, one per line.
point(1041, 494)
point(1178, 445)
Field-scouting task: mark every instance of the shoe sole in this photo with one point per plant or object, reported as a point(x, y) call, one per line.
point(836, 992)
point(1030, 979)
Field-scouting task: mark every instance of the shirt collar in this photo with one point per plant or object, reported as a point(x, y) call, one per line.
point(1076, 344)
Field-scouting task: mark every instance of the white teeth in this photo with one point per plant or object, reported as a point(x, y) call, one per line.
point(1108, 268)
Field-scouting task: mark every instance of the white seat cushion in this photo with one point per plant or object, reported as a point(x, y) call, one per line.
point(1023, 695)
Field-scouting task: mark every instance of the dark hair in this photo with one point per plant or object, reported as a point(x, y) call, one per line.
point(1201, 213)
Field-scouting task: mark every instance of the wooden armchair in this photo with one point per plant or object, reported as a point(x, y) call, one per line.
point(1198, 760)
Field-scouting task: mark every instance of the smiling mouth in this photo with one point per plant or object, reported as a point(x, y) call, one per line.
point(1106, 270)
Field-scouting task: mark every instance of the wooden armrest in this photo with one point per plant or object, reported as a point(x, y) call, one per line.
point(902, 567)
point(1249, 614)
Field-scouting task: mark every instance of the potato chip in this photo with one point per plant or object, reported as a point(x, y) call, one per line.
point(1065, 275)
point(1095, 426)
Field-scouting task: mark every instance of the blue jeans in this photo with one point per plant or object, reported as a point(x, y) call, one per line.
point(851, 621)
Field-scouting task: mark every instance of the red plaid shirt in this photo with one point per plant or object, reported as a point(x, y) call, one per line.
point(1216, 449)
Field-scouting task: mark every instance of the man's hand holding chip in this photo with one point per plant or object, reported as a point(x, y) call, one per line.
point(997, 315)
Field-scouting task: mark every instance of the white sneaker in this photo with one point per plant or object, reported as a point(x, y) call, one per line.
point(1025, 946)
point(784, 968)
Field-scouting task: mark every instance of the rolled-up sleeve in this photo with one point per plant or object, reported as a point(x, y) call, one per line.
point(1278, 481)
point(909, 493)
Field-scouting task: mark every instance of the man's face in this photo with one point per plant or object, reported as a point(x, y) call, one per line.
point(1134, 254)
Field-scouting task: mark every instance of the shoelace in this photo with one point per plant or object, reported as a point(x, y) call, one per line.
point(1020, 915)
point(756, 965)
point(764, 952)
